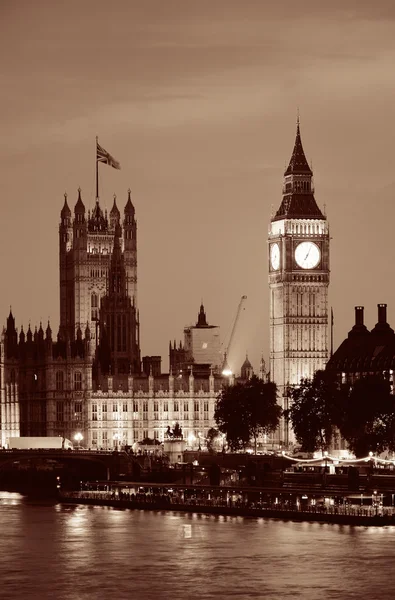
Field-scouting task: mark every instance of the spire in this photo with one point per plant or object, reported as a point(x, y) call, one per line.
point(298, 163)
point(298, 193)
point(10, 321)
point(129, 208)
point(79, 207)
point(201, 322)
point(65, 212)
point(115, 210)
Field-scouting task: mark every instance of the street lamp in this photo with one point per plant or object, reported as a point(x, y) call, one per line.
point(191, 439)
point(78, 438)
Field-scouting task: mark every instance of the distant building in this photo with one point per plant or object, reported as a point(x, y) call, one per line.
point(201, 349)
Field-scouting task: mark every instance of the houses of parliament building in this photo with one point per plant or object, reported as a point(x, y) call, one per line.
point(89, 378)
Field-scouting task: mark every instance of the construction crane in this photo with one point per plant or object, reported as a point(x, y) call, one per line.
point(226, 370)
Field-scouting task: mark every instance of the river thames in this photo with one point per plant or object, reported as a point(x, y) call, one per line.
point(83, 552)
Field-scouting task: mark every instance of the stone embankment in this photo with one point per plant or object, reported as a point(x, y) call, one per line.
point(342, 515)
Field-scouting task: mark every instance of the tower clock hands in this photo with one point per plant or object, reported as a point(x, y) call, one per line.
point(307, 255)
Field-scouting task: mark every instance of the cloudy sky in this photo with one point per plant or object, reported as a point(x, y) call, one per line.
point(198, 101)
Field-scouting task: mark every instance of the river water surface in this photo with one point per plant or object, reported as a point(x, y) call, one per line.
point(82, 552)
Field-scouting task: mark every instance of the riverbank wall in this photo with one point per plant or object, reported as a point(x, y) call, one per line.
point(350, 516)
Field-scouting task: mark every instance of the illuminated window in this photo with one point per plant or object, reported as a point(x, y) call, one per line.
point(78, 411)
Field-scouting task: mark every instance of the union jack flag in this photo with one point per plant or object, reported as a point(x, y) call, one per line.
point(105, 157)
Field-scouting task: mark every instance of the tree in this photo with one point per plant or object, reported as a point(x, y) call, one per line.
point(315, 410)
point(367, 420)
point(245, 411)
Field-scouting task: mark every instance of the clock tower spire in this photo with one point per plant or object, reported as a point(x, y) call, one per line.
point(298, 282)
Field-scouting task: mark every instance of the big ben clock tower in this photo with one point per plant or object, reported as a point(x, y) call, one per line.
point(298, 281)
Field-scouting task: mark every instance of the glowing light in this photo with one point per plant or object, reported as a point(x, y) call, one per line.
point(78, 438)
point(227, 372)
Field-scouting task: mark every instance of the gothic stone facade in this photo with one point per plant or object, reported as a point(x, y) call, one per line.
point(298, 282)
point(91, 383)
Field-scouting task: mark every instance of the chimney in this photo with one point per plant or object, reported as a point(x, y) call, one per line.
point(382, 310)
point(359, 316)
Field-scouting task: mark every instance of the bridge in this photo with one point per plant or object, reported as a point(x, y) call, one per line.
point(81, 463)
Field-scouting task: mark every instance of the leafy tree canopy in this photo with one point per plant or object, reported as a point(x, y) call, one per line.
point(363, 412)
point(246, 410)
point(367, 420)
point(316, 406)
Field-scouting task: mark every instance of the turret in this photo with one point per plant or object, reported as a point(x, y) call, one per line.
point(11, 337)
point(65, 214)
point(129, 225)
point(79, 209)
point(246, 369)
point(48, 340)
point(201, 322)
point(115, 215)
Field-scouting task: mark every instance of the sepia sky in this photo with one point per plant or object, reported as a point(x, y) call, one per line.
point(198, 102)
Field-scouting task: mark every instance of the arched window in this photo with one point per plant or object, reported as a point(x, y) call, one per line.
point(78, 381)
point(59, 381)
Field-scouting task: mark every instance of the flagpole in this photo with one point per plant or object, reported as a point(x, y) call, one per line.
point(97, 171)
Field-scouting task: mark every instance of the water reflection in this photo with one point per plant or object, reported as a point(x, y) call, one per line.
point(63, 552)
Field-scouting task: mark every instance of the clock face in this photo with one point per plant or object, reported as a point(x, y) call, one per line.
point(275, 256)
point(307, 255)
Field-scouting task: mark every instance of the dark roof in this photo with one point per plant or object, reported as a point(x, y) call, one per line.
point(298, 163)
point(300, 206)
point(365, 351)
